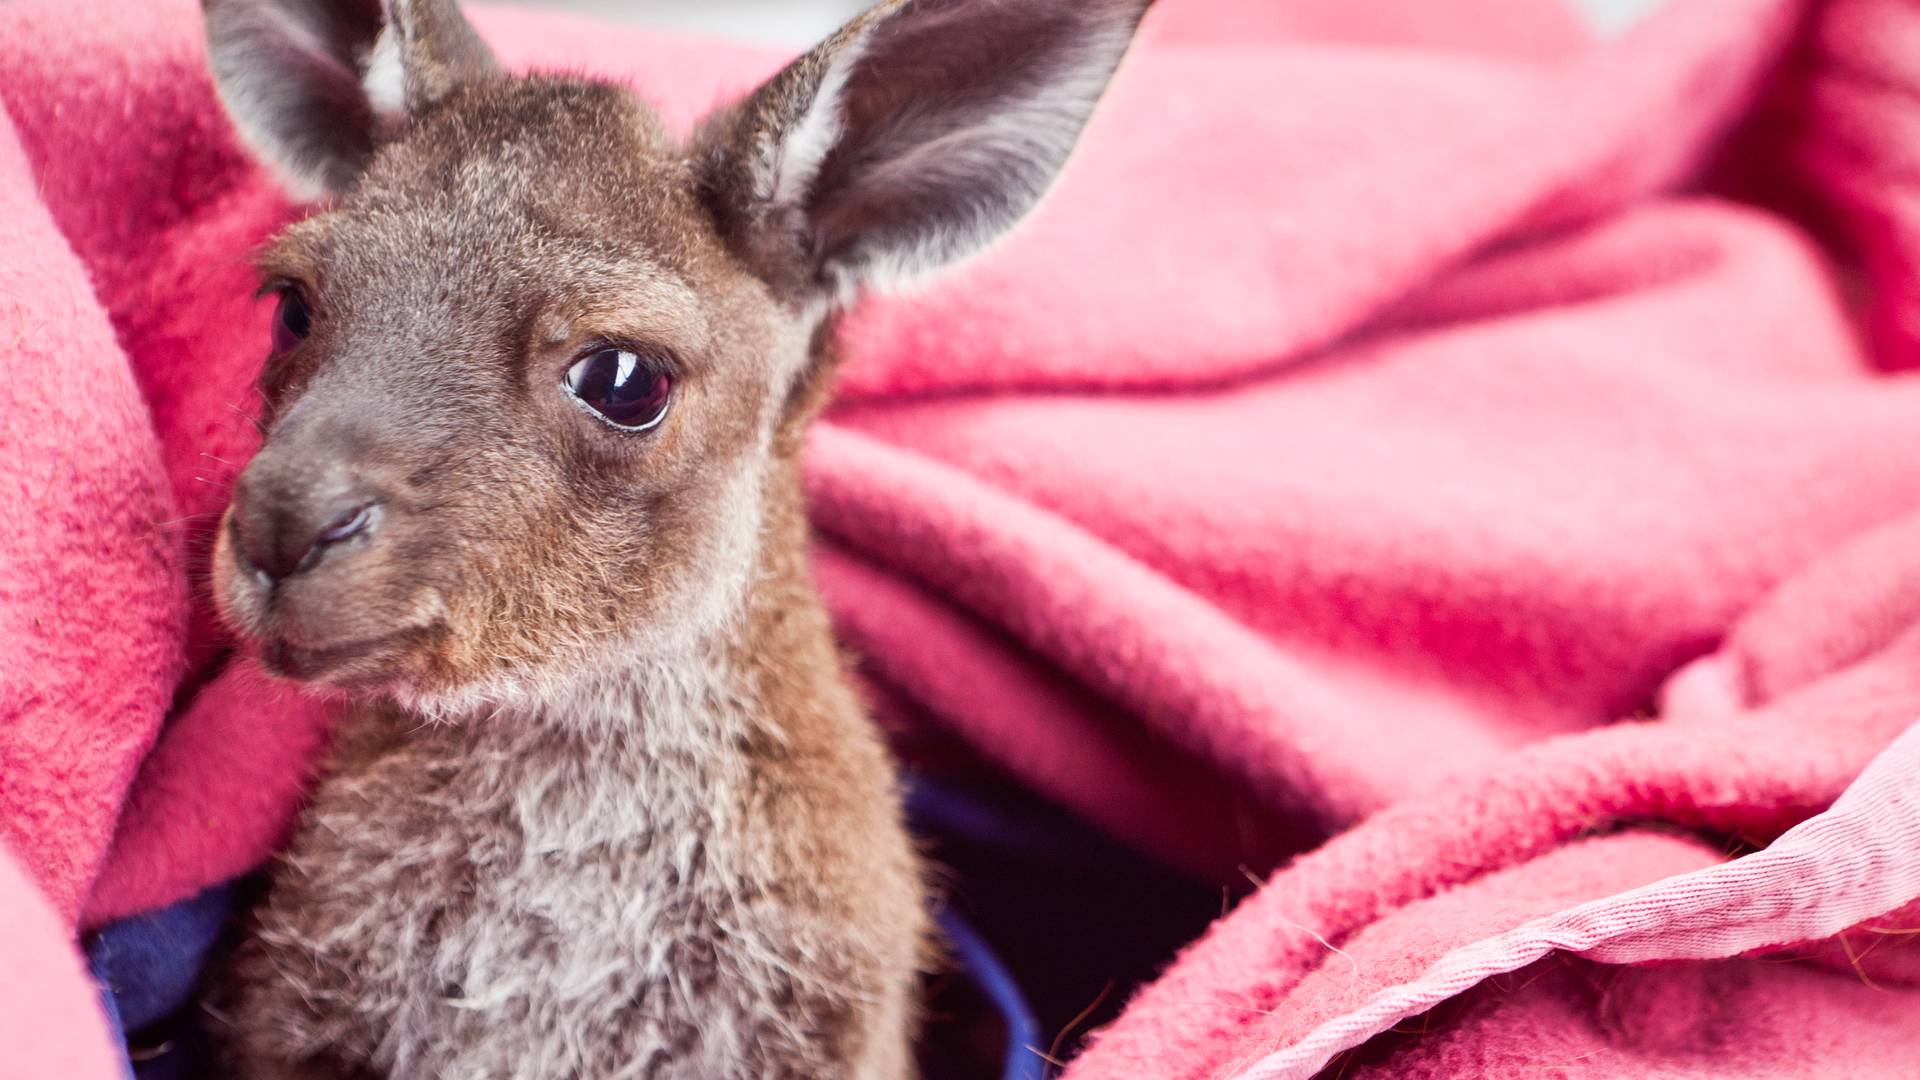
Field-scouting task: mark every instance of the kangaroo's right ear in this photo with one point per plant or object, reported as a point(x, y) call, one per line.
point(315, 85)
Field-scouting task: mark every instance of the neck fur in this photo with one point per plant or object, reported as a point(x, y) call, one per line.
point(717, 677)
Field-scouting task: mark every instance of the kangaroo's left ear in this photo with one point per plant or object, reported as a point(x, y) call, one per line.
point(914, 136)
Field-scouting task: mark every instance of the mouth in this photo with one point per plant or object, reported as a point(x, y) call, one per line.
point(357, 662)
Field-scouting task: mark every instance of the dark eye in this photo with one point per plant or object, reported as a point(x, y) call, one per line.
point(628, 389)
point(292, 320)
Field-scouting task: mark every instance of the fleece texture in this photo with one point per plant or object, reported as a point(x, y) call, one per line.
point(1390, 455)
point(1852, 865)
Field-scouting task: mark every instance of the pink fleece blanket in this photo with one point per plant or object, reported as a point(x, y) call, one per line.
point(1388, 450)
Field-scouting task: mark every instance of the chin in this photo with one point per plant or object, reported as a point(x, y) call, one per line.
point(302, 633)
point(368, 665)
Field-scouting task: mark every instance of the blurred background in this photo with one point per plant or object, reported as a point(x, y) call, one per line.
point(801, 22)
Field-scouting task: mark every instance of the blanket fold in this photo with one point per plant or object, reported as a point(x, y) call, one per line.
point(1449, 471)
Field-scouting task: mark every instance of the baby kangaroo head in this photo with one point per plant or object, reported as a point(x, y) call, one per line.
point(539, 367)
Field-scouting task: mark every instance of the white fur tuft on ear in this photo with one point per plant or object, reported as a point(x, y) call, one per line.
point(791, 159)
point(912, 138)
point(292, 96)
point(385, 80)
point(1019, 141)
point(313, 86)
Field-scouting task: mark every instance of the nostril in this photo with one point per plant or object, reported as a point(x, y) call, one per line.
point(278, 541)
point(264, 542)
point(253, 551)
point(346, 526)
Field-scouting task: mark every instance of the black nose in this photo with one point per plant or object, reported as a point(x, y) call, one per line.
point(280, 534)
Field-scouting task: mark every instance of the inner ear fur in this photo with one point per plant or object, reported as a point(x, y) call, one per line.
point(313, 86)
point(910, 139)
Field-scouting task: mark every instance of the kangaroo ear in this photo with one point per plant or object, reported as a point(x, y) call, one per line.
point(315, 85)
point(914, 136)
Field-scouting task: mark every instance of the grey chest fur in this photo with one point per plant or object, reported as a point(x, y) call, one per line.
point(531, 904)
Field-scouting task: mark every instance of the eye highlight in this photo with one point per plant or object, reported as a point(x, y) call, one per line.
point(292, 320)
point(625, 388)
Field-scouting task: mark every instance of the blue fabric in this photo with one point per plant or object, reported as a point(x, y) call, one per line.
point(147, 966)
point(1023, 1060)
point(148, 963)
point(1078, 919)
point(114, 1024)
point(1013, 827)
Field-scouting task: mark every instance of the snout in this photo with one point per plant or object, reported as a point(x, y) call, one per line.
point(279, 532)
point(306, 569)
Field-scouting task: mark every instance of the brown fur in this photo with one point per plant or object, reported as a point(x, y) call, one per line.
point(604, 803)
